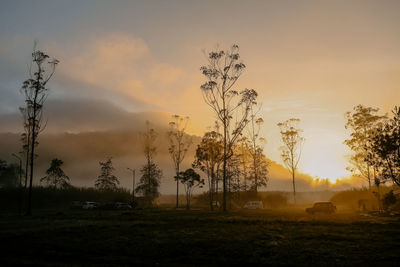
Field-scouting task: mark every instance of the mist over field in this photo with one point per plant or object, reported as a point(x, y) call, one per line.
point(199, 133)
point(84, 132)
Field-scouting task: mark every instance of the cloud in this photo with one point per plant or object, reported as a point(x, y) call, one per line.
point(75, 115)
point(166, 74)
point(125, 66)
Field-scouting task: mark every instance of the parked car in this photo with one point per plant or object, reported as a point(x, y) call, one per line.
point(88, 205)
point(76, 205)
point(322, 207)
point(254, 205)
point(122, 206)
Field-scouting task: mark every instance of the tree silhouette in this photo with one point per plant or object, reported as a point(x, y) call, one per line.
point(191, 180)
point(41, 70)
point(106, 180)
point(55, 175)
point(179, 143)
point(362, 122)
point(8, 174)
point(244, 157)
point(386, 145)
point(230, 106)
point(151, 173)
point(149, 182)
point(292, 146)
point(258, 175)
point(25, 139)
point(259, 165)
point(208, 158)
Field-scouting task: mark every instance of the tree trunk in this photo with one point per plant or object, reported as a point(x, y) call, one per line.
point(369, 178)
point(187, 197)
point(27, 161)
point(294, 186)
point(224, 176)
point(211, 187)
point(32, 157)
point(216, 187)
point(177, 187)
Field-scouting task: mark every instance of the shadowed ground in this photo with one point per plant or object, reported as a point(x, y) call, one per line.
point(168, 237)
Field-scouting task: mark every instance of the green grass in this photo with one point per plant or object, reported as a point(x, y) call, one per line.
point(168, 237)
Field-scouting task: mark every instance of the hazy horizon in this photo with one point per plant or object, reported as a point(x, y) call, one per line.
point(312, 60)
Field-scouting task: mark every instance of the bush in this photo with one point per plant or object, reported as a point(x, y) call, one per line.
point(389, 199)
point(274, 199)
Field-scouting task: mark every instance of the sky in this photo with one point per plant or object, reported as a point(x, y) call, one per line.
point(312, 60)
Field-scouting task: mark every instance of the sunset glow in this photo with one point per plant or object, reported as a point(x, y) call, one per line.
point(302, 59)
point(199, 132)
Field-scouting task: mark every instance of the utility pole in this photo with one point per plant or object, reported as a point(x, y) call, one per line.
point(20, 182)
point(133, 180)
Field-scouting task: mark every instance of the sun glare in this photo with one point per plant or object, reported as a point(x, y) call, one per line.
point(324, 162)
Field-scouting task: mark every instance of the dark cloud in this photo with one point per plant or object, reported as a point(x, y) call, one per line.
point(85, 115)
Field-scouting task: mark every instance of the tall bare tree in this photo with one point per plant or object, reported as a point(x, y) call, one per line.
point(292, 146)
point(230, 106)
point(179, 143)
point(35, 91)
point(25, 139)
point(255, 148)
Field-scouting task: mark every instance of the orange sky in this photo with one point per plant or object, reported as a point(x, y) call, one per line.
point(313, 60)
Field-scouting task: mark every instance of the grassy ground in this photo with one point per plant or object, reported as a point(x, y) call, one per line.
point(181, 238)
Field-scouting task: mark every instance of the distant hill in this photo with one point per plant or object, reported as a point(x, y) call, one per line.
point(84, 132)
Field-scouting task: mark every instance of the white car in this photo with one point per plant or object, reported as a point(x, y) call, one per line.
point(89, 205)
point(254, 205)
point(215, 204)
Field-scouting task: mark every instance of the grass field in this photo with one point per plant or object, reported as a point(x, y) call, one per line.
point(180, 238)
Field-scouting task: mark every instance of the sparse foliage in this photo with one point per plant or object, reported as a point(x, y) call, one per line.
point(35, 91)
point(179, 143)
point(230, 106)
point(259, 166)
point(292, 146)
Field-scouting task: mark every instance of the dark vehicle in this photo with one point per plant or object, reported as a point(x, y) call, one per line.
point(89, 205)
point(122, 206)
point(322, 207)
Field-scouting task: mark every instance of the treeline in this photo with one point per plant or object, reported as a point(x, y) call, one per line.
point(375, 142)
point(365, 199)
point(237, 162)
point(9, 174)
